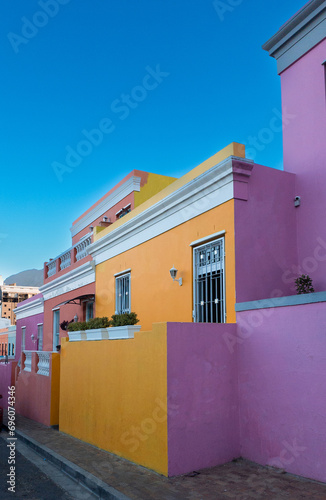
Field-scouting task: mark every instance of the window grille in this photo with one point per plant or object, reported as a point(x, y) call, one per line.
point(209, 295)
point(122, 294)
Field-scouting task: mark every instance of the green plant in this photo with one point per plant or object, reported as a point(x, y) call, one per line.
point(124, 319)
point(91, 324)
point(304, 284)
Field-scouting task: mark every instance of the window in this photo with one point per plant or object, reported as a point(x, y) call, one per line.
point(9, 349)
point(89, 310)
point(124, 211)
point(40, 337)
point(209, 300)
point(122, 294)
point(23, 337)
point(56, 334)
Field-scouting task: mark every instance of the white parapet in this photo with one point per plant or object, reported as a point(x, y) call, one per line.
point(43, 366)
point(28, 361)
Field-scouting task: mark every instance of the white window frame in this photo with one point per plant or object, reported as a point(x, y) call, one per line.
point(56, 335)
point(197, 316)
point(120, 288)
point(89, 313)
point(23, 338)
point(40, 336)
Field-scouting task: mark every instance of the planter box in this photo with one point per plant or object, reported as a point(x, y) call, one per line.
point(123, 332)
point(112, 333)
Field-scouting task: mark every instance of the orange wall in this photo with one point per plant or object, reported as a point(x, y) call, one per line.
point(154, 296)
point(113, 394)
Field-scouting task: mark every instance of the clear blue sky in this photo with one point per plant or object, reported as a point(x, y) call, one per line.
point(73, 70)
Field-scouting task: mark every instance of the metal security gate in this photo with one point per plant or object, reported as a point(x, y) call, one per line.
point(209, 294)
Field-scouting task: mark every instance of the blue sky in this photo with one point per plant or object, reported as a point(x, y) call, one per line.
point(70, 67)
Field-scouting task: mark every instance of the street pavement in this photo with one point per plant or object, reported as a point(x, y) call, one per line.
point(112, 477)
point(35, 478)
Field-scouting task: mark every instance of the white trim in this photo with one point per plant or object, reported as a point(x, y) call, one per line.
point(122, 272)
point(56, 308)
point(30, 309)
point(209, 190)
point(207, 238)
point(77, 278)
point(300, 34)
point(39, 324)
point(129, 186)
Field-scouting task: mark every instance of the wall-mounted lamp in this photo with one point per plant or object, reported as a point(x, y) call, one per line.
point(297, 201)
point(173, 273)
point(75, 318)
point(33, 338)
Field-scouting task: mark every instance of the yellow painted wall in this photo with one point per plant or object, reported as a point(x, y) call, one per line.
point(233, 149)
point(154, 296)
point(113, 395)
point(155, 183)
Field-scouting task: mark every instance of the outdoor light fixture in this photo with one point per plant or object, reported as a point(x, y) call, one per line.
point(33, 338)
point(75, 318)
point(173, 273)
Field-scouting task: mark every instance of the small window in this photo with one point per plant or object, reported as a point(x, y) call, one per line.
point(23, 337)
point(122, 294)
point(40, 337)
point(89, 310)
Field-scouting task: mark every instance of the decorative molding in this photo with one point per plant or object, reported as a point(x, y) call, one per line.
point(30, 309)
point(291, 300)
point(132, 184)
point(122, 272)
point(209, 190)
point(43, 365)
point(77, 278)
point(208, 238)
point(300, 34)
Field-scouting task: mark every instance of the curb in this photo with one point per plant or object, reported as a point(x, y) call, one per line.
point(93, 483)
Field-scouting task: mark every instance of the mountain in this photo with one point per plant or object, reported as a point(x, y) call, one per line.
point(31, 277)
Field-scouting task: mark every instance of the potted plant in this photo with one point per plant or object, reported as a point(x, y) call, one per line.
point(304, 284)
point(123, 326)
point(94, 329)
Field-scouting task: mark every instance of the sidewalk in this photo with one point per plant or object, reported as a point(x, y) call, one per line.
point(112, 477)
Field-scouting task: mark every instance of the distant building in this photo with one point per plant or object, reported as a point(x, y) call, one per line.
point(10, 297)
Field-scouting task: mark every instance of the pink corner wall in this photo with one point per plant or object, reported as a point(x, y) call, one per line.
point(265, 235)
point(282, 371)
point(67, 312)
point(7, 379)
point(304, 139)
point(202, 397)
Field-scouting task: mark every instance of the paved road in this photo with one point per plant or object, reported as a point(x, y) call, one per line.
point(33, 477)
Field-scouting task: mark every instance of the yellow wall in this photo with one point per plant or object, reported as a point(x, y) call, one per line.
point(155, 183)
point(233, 149)
point(113, 395)
point(154, 296)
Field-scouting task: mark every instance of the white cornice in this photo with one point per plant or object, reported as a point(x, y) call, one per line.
point(208, 190)
point(77, 278)
point(132, 184)
point(30, 308)
point(300, 34)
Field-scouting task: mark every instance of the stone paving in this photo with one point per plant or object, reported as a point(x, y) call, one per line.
point(240, 479)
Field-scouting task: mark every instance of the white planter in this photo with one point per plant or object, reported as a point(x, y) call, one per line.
point(123, 332)
point(112, 333)
point(97, 334)
point(77, 336)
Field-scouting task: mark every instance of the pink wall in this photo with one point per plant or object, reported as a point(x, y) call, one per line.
point(67, 312)
point(282, 373)
point(7, 379)
point(303, 101)
point(265, 235)
point(37, 394)
point(202, 397)
point(31, 328)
